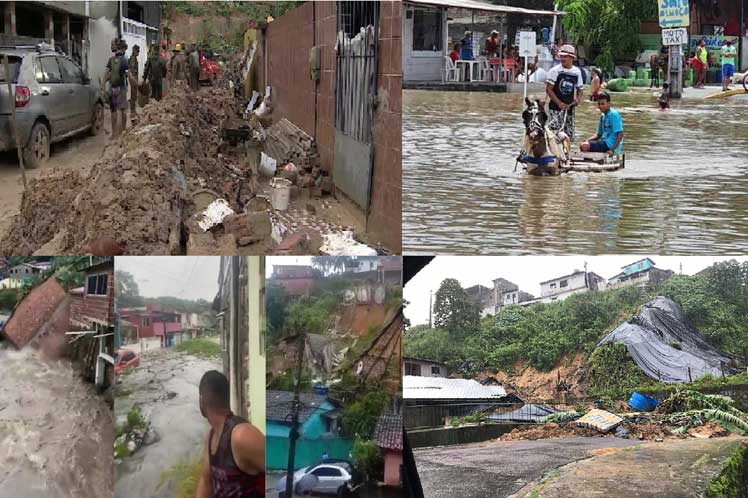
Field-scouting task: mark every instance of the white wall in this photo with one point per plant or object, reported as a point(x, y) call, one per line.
point(421, 66)
point(575, 281)
point(100, 33)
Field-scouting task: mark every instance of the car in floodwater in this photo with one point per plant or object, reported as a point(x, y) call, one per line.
point(53, 98)
point(332, 476)
point(124, 359)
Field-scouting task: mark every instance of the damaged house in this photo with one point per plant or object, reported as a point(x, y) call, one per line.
point(338, 79)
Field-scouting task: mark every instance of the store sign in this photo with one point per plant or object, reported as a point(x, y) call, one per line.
point(713, 43)
point(674, 36)
point(674, 13)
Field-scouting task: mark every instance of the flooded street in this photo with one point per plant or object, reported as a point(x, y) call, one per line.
point(684, 189)
point(55, 431)
point(165, 387)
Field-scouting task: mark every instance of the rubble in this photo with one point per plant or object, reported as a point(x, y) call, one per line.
point(147, 192)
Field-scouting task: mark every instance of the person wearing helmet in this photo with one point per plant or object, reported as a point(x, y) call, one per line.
point(178, 67)
point(116, 77)
point(564, 87)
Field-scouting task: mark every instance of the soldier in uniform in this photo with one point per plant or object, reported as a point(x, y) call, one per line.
point(132, 64)
point(155, 70)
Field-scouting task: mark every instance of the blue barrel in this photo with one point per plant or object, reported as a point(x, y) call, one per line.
point(321, 390)
point(642, 403)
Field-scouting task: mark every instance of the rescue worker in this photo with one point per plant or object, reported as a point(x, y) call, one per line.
point(178, 68)
point(132, 64)
point(155, 70)
point(193, 65)
point(234, 455)
point(116, 76)
point(167, 62)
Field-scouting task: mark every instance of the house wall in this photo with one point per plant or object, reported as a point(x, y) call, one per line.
point(393, 460)
point(426, 368)
point(284, 51)
point(575, 281)
point(419, 65)
point(86, 309)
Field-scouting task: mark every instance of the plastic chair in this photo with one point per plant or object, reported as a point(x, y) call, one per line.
point(485, 73)
point(451, 71)
point(508, 67)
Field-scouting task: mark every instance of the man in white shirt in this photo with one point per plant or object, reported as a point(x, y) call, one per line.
point(564, 86)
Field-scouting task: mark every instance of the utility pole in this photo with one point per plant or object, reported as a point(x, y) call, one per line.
point(431, 306)
point(293, 435)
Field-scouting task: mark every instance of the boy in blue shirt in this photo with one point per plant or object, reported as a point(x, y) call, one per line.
point(609, 136)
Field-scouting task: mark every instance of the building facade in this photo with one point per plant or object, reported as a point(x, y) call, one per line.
point(640, 273)
point(424, 368)
point(296, 280)
point(560, 288)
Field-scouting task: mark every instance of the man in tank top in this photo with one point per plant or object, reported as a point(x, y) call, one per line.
point(234, 456)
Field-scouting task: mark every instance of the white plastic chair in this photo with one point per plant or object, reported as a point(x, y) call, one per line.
point(450, 71)
point(485, 73)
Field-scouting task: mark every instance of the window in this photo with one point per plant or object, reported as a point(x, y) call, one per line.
point(50, 71)
point(70, 72)
point(427, 31)
point(14, 64)
point(129, 355)
point(412, 369)
point(327, 472)
point(146, 321)
point(436, 370)
point(96, 285)
point(553, 285)
point(352, 16)
point(563, 283)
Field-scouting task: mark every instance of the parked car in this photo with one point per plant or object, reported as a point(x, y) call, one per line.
point(124, 359)
point(333, 477)
point(54, 100)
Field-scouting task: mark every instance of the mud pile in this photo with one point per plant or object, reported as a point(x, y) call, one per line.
point(138, 192)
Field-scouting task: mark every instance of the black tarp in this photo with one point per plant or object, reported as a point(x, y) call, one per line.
point(665, 344)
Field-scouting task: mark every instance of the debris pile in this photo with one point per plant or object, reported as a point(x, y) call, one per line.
point(684, 414)
point(149, 191)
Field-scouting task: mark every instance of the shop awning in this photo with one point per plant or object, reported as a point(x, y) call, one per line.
point(485, 7)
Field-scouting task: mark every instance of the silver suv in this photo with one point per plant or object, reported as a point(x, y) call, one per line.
point(54, 100)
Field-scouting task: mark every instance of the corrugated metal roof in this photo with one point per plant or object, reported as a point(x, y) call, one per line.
point(415, 387)
point(487, 7)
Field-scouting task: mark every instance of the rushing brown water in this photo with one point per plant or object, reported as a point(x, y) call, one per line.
point(684, 189)
point(56, 433)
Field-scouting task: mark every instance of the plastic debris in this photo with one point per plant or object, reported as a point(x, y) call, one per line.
point(601, 420)
point(214, 214)
point(343, 243)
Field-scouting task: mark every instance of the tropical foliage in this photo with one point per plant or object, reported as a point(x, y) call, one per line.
point(611, 27)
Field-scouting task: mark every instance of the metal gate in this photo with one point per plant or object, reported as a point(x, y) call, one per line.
point(355, 95)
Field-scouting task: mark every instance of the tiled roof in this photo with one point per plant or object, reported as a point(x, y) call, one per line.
point(389, 431)
point(279, 405)
point(415, 387)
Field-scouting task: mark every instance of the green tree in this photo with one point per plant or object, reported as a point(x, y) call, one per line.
point(454, 310)
point(612, 26)
point(276, 304)
point(126, 290)
point(360, 417)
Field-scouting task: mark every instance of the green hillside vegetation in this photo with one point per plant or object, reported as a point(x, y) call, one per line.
point(542, 334)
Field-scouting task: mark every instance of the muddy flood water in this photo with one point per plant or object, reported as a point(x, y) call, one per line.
point(55, 430)
point(165, 387)
point(684, 189)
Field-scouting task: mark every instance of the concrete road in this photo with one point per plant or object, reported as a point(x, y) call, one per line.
point(673, 469)
point(501, 468)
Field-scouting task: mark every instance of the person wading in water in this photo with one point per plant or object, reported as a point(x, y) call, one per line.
point(234, 456)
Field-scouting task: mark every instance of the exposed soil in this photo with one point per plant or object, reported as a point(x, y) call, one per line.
point(533, 385)
point(549, 431)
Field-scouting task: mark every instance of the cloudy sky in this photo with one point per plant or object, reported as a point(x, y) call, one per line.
point(185, 277)
point(527, 272)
